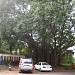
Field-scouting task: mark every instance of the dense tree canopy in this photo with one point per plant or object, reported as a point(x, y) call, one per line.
point(45, 27)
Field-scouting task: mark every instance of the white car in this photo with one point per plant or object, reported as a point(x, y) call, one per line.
point(43, 66)
point(26, 64)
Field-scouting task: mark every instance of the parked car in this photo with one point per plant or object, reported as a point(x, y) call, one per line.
point(26, 64)
point(43, 66)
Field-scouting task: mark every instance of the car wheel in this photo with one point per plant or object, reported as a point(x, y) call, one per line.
point(20, 71)
point(31, 71)
point(40, 69)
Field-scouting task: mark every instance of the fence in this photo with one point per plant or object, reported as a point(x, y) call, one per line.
point(7, 57)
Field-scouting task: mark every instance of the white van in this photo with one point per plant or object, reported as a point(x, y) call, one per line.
point(26, 64)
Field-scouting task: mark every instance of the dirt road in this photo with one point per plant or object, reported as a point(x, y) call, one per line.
point(56, 71)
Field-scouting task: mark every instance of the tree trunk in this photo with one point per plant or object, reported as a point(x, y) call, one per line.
point(10, 49)
point(54, 58)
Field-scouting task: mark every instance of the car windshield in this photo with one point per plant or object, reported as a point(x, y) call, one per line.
point(27, 62)
point(45, 63)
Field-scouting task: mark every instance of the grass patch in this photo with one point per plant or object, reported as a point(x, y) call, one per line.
point(66, 65)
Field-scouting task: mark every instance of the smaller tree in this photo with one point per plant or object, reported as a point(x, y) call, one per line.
point(68, 57)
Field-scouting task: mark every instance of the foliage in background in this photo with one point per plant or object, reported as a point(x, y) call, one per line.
point(25, 52)
point(45, 27)
point(68, 58)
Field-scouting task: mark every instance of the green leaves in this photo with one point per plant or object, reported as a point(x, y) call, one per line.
point(44, 25)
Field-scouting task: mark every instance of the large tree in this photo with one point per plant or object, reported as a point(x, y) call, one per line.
point(54, 22)
point(45, 25)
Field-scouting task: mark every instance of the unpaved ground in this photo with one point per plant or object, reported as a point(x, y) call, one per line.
point(15, 70)
point(56, 71)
